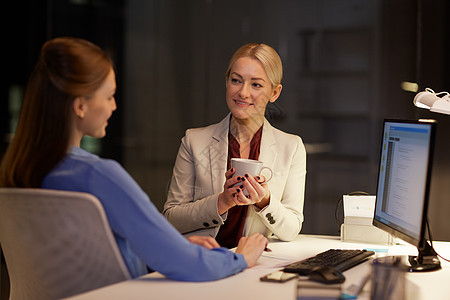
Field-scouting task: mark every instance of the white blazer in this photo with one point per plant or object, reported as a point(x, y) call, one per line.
point(199, 176)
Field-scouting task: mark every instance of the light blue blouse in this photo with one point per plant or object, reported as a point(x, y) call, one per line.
point(144, 236)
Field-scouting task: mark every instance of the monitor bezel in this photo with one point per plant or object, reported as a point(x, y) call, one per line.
point(394, 231)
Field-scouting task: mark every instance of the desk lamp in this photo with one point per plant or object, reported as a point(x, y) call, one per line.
point(435, 102)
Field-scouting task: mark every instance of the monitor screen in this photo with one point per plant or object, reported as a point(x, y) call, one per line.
point(404, 178)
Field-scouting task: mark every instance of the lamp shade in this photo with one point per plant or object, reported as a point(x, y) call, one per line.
point(428, 99)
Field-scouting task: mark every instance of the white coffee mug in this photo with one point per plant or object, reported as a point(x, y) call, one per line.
point(249, 166)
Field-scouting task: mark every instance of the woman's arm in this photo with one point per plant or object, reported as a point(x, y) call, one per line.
point(181, 209)
point(151, 237)
point(284, 214)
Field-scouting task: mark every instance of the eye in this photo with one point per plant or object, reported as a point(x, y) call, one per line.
point(257, 85)
point(235, 80)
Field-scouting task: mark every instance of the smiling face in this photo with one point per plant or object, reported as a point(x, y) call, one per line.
point(93, 112)
point(249, 90)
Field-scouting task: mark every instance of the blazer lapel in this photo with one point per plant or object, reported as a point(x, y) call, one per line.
point(268, 153)
point(218, 154)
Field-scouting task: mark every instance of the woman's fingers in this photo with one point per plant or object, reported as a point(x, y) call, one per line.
point(255, 189)
point(205, 241)
point(230, 173)
point(242, 199)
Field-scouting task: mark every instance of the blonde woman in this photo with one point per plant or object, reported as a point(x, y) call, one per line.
point(205, 198)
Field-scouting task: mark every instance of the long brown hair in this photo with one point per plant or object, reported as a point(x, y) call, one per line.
point(67, 68)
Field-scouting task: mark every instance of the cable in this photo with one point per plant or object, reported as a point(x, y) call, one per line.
point(354, 193)
point(336, 217)
point(431, 241)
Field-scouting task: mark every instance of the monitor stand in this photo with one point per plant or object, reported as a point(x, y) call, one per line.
point(427, 260)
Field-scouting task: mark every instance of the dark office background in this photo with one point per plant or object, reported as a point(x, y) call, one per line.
point(344, 63)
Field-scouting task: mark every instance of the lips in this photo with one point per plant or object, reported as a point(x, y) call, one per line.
point(239, 102)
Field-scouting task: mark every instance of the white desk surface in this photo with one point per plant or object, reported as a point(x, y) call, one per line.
point(246, 285)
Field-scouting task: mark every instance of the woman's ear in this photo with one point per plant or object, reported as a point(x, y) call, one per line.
point(276, 93)
point(79, 107)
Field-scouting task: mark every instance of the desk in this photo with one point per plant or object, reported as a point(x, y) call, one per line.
point(246, 285)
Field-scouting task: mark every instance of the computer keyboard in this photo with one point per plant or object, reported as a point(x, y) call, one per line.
point(340, 259)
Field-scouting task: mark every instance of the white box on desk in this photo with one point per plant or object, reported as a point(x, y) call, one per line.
point(365, 233)
point(357, 226)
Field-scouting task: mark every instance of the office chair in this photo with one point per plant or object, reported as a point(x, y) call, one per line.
point(57, 243)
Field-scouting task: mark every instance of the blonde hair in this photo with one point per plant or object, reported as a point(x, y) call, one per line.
point(266, 55)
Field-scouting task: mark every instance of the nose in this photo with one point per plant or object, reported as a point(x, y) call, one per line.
point(244, 92)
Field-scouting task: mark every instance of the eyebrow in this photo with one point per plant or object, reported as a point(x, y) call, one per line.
point(254, 78)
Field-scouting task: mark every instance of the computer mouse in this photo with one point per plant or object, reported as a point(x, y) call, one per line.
point(326, 274)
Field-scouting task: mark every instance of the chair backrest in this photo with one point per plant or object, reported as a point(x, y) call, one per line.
point(57, 243)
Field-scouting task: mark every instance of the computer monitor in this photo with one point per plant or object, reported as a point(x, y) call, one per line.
point(403, 186)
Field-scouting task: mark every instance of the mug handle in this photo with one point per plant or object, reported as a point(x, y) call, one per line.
point(271, 173)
